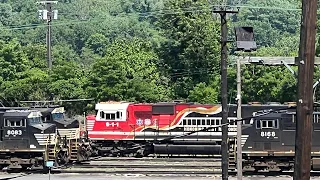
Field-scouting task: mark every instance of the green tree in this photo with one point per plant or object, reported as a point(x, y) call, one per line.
point(268, 83)
point(203, 93)
point(12, 60)
point(68, 80)
point(190, 52)
point(270, 24)
point(97, 43)
point(32, 85)
point(127, 72)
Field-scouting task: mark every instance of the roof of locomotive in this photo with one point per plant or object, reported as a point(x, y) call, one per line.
point(119, 103)
point(48, 110)
point(41, 108)
point(3, 109)
point(45, 110)
point(22, 113)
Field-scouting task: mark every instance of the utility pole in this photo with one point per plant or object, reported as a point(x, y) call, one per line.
point(222, 10)
point(239, 123)
point(224, 95)
point(302, 164)
point(246, 43)
point(48, 14)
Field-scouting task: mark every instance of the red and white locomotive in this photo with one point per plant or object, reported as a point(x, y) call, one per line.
point(125, 126)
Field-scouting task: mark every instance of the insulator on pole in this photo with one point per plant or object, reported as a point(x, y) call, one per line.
point(55, 14)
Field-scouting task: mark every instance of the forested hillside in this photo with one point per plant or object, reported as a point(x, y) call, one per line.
point(141, 50)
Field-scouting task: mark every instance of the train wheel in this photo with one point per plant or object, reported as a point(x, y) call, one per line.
point(62, 158)
point(285, 169)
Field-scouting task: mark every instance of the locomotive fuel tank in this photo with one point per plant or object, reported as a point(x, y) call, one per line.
point(187, 149)
point(194, 142)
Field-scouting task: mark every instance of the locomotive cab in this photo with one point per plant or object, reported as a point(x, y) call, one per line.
point(265, 133)
point(13, 130)
point(20, 128)
point(56, 115)
point(111, 118)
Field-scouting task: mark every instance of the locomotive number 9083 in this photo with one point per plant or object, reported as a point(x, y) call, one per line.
point(14, 132)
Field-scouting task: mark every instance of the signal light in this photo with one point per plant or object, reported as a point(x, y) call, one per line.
point(245, 39)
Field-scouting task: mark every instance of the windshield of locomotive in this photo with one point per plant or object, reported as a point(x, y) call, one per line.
point(35, 120)
point(57, 116)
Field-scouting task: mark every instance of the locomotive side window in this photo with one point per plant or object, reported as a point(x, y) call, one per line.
point(276, 123)
point(57, 115)
point(258, 125)
point(110, 116)
point(267, 124)
point(14, 123)
point(184, 122)
point(316, 118)
point(34, 120)
point(294, 117)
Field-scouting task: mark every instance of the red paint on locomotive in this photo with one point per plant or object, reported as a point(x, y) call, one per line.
point(125, 121)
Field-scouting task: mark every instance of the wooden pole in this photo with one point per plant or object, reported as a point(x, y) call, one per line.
point(224, 95)
point(239, 123)
point(302, 165)
point(48, 35)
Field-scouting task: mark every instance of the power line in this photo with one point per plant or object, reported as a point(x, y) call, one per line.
point(146, 14)
point(239, 5)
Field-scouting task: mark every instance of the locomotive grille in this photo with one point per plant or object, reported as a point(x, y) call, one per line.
point(256, 145)
point(267, 146)
point(163, 109)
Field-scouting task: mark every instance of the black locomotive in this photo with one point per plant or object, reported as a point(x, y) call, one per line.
point(23, 139)
point(268, 142)
point(30, 136)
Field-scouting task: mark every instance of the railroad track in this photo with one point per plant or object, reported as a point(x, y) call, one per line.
point(177, 166)
point(161, 167)
point(145, 166)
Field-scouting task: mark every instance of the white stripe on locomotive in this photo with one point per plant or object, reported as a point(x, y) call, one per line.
point(43, 139)
point(90, 124)
point(196, 124)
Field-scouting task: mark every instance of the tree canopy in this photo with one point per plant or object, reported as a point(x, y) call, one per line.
point(142, 51)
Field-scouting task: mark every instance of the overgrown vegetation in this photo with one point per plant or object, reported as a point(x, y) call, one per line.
point(141, 50)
